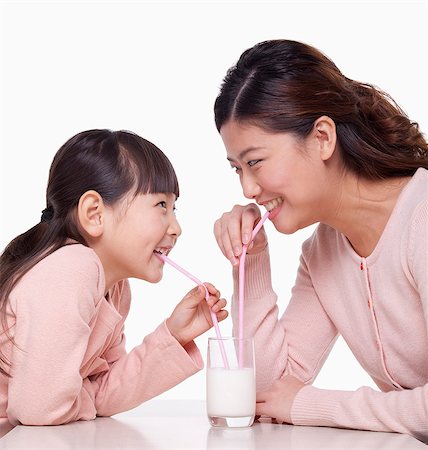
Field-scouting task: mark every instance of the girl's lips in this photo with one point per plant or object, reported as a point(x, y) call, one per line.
point(158, 256)
point(275, 211)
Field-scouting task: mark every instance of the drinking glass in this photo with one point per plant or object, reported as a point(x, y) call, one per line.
point(231, 382)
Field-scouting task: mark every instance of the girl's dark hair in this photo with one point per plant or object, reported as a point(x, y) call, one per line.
point(284, 86)
point(112, 163)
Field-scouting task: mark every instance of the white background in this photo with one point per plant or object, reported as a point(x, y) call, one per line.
point(155, 68)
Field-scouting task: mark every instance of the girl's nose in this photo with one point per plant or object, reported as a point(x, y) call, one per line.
point(174, 227)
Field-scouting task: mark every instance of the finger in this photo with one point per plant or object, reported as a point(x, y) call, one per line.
point(218, 305)
point(250, 217)
point(221, 315)
point(218, 236)
point(227, 245)
point(212, 290)
point(195, 296)
point(234, 231)
point(211, 301)
point(262, 409)
point(262, 396)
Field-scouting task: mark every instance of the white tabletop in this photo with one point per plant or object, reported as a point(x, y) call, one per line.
point(177, 424)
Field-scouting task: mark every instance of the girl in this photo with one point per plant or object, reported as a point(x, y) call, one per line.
point(65, 294)
point(314, 146)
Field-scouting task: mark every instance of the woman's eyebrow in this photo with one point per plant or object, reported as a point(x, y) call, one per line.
point(244, 152)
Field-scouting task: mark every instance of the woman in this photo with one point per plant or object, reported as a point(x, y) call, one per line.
point(312, 145)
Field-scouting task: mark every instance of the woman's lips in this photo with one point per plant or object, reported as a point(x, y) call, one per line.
point(274, 212)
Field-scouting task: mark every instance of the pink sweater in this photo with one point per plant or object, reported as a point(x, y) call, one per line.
point(379, 305)
point(70, 361)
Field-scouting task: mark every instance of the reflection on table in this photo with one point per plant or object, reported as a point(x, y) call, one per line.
point(174, 424)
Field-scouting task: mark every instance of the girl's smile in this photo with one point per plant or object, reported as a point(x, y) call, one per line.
point(132, 232)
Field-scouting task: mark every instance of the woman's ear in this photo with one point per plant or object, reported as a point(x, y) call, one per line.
point(325, 135)
point(91, 213)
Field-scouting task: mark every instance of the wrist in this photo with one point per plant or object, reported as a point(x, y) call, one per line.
point(172, 330)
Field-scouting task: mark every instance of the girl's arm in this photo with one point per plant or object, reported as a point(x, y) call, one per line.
point(156, 365)
point(165, 358)
point(62, 328)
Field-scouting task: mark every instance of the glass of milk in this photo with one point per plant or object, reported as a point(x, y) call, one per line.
point(231, 383)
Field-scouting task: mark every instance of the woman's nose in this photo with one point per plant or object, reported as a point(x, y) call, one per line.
point(250, 187)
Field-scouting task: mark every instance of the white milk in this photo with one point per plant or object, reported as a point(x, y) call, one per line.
point(231, 392)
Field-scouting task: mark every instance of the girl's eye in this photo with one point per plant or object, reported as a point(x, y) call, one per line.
point(162, 204)
point(253, 162)
point(236, 169)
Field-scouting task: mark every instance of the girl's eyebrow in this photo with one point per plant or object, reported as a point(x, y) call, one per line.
point(244, 152)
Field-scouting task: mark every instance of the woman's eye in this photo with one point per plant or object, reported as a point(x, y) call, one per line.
point(236, 169)
point(253, 162)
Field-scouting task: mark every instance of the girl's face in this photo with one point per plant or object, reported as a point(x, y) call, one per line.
point(287, 175)
point(134, 231)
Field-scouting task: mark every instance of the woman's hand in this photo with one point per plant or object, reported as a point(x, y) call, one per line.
point(277, 401)
point(191, 317)
point(234, 228)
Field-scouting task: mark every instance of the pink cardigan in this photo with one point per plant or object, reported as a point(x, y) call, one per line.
point(379, 305)
point(70, 361)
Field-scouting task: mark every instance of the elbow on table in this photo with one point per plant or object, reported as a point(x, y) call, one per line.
point(44, 414)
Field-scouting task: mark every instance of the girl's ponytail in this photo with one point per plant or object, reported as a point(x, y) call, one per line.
point(19, 256)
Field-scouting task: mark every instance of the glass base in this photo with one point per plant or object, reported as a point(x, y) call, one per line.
point(231, 422)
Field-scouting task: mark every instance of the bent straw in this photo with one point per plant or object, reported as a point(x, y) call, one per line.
point(213, 315)
point(242, 288)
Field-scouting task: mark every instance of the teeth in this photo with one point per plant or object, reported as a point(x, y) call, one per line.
point(162, 251)
point(273, 203)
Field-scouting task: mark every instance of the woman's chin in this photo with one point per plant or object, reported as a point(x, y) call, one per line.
point(285, 228)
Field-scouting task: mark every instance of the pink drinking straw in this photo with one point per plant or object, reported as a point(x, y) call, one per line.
point(213, 316)
point(242, 289)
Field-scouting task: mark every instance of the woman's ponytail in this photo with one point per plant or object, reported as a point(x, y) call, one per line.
point(285, 86)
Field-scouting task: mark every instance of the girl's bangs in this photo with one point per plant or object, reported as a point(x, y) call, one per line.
point(151, 170)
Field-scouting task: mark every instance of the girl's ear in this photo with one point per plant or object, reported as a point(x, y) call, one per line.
point(325, 135)
point(91, 213)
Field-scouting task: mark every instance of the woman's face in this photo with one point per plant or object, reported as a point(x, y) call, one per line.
point(288, 175)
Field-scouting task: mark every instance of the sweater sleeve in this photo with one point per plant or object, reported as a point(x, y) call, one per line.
point(159, 363)
point(404, 411)
point(53, 306)
point(296, 344)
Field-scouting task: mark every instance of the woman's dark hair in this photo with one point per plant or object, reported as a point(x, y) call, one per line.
point(112, 163)
point(285, 86)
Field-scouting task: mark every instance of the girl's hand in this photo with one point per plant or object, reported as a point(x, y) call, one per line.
point(277, 401)
point(191, 317)
point(234, 228)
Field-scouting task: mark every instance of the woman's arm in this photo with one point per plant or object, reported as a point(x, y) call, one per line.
point(296, 344)
point(403, 411)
